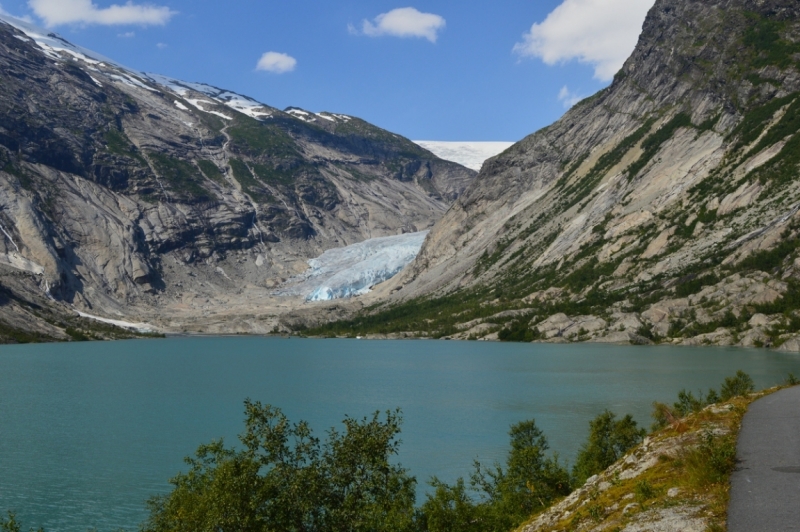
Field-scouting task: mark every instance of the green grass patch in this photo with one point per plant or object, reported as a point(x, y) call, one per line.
point(181, 177)
point(119, 144)
point(211, 171)
point(260, 139)
point(765, 37)
point(277, 176)
point(755, 120)
point(249, 184)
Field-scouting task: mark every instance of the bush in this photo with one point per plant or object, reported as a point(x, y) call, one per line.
point(609, 439)
point(737, 386)
point(644, 491)
point(286, 479)
point(712, 461)
point(791, 380)
point(687, 404)
point(12, 525)
point(530, 482)
point(451, 508)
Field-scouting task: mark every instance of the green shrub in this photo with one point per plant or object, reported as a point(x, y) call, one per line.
point(695, 285)
point(609, 439)
point(711, 461)
point(12, 525)
point(763, 36)
point(180, 177)
point(211, 171)
point(505, 497)
point(644, 491)
point(519, 331)
point(451, 508)
point(739, 385)
point(284, 478)
point(687, 404)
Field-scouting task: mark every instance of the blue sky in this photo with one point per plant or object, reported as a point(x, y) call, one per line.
point(426, 69)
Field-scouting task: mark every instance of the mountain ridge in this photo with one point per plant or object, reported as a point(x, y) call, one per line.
point(148, 199)
point(663, 208)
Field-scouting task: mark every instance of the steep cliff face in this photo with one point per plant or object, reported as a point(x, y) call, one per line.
point(652, 209)
point(122, 190)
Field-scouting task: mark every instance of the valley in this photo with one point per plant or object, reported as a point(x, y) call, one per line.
point(663, 209)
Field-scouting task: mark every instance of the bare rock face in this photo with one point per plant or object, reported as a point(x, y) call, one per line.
point(129, 191)
point(671, 197)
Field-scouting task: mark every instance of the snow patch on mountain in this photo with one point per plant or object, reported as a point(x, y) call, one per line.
point(55, 46)
point(469, 154)
point(352, 270)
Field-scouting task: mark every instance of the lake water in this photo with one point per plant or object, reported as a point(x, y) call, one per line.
point(89, 431)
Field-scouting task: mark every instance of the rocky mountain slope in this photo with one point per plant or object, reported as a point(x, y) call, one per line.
point(664, 208)
point(137, 196)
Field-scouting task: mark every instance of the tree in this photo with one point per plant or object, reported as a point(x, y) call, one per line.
point(739, 385)
point(12, 525)
point(286, 479)
point(506, 497)
point(451, 508)
point(609, 439)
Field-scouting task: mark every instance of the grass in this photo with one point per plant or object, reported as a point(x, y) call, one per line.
point(250, 184)
point(764, 36)
point(211, 171)
point(181, 177)
point(756, 120)
point(119, 144)
point(261, 139)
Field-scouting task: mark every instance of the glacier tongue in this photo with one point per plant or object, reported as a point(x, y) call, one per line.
point(353, 270)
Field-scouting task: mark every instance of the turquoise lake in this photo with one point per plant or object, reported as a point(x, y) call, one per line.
point(89, 431)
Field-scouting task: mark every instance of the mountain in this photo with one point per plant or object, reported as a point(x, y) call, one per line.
point(663, 208)
point(139, 197)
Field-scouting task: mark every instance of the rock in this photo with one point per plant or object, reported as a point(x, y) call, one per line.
point(667, 520)
point(755, 337)
point(721, 336)
point(614, 247)
point(673, 492)
point(790, 345)
point(742, 197)
point(758, 320)
point(583, 325)
point(629, 222)
point(659, 244)
point(555, 325)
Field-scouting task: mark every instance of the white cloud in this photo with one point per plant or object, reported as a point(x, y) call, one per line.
point(602, 33)
point(403, 22)
point(161, 45)
point(58, 12)
point(568, 97)
point(126, 35)
point(276, 62)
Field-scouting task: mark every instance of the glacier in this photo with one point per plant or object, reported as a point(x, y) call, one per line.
point(469, 154)
point(352, 270)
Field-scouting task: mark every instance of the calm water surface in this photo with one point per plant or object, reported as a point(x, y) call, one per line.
point(89, 431)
